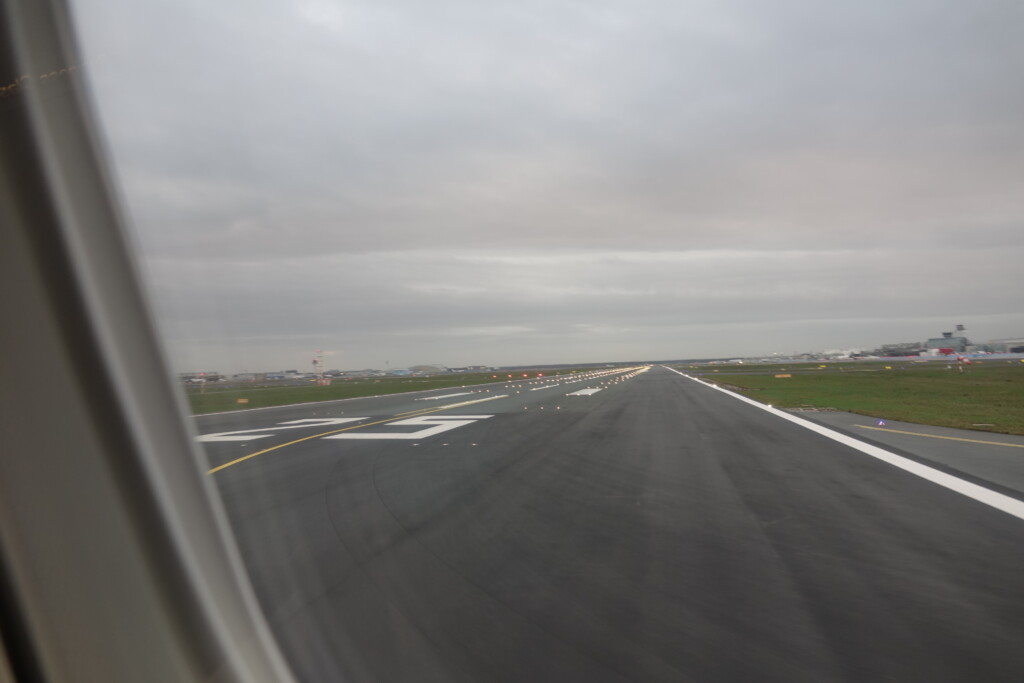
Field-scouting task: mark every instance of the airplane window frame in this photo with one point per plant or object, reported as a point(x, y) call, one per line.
point(116, 562)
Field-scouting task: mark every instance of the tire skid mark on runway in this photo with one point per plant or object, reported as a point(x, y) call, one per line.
point(414, 537)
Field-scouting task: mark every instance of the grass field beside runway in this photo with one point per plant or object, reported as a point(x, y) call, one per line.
point(216, 399)
point(987, 396)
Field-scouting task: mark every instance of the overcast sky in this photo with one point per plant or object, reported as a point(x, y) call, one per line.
point(551, 181)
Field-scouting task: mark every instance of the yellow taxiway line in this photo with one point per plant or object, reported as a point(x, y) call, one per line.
point(948, 438)
point(399, 416)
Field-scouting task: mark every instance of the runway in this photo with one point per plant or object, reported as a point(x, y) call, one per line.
point(653, 530)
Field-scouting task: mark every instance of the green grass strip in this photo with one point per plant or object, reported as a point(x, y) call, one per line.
point(987, 397)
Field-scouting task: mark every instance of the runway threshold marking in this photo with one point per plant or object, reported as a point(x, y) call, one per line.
point(435, 424)
point(938, 436)
point(251, 434)
point(1010, 506)
point(425, 411)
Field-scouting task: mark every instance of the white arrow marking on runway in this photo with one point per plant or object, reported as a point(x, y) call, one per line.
point(584, 392)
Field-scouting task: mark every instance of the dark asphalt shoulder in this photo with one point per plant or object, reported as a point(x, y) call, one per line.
point(995, 461)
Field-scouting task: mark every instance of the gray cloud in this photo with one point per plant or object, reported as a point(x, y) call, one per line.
point(538, 182)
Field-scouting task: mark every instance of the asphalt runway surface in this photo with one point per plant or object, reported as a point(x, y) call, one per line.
point(654, 530)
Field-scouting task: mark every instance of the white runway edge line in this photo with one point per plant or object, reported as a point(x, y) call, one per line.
point(1010, 506)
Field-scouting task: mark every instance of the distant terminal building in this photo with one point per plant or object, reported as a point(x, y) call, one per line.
point(1013, 345)
point(948, 342)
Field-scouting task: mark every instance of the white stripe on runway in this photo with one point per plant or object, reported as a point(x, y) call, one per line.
point(434, 398)
point(1009, 505)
